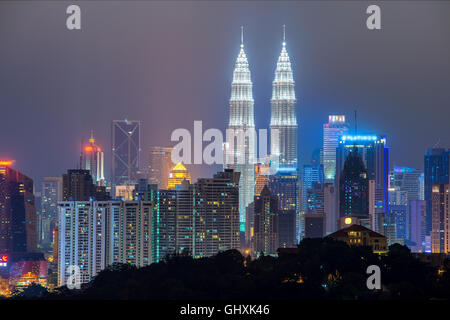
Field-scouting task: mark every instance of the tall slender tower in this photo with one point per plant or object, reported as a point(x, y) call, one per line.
point(283, 122)
point(240, 146)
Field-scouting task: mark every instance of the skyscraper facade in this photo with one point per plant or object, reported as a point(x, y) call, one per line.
point(217, 201)
point(93, 160)
point(283, 121)
point(126, 150)
point(95, 234)
point(311, 175)
point(284, 185)
point(417, 221)
point(160, 164)
point(354, 188)
point(240, 149)
point(332, 131)
point(265, 223)
point(436, 171)
point(50, 195)
point(375, 156)
point(440, 208)
point(17, 211)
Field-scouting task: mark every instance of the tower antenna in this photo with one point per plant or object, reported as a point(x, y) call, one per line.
point(356, 123)
point(242, 36)
point(284, 34)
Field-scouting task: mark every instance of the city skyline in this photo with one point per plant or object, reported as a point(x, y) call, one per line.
point(326, 83)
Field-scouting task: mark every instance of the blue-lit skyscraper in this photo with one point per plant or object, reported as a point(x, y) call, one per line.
point(375, 155)
point(311, 175)
point(436, 170)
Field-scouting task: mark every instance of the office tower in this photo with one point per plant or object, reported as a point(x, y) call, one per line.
point(165, 225)
point(284, 185)
point(160, 165)
point(92, 159)
point(17, 211)
point(375, 156)
point(354, 188)
point(240, 148)
point(331, 210)
point(177, 175)
point(417, 220)
point(440, 241)
point(335, 128)
point(126, 150)
point(95, 234)
point(78, 186)
point(311, 175)
point(407, 180)
point(217, 201)
point(283, 121)
point(50, 195)
point(265, 239)
point(436, 171)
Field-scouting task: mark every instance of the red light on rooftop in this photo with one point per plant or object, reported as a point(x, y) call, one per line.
point(88, 149)
point(6, 163)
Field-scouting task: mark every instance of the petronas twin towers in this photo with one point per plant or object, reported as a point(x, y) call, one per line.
point(283, 124)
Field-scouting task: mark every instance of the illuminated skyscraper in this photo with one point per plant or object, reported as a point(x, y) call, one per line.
point(354, 188)
point(159, 166)
point(374, 153)
point(240, 147)
point(177, 175)
point(50, 195)
point(332, 130)
point(95, 234)
point(17, 211)
point(126, 150)
point(283, 122)
point(266, 223)
point(93, 160)
point(437, 171)
point(440, 209)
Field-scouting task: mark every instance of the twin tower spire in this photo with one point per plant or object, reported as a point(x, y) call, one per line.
point(283, 122)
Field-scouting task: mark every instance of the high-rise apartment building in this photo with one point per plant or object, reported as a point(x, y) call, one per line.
point(95, 234)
